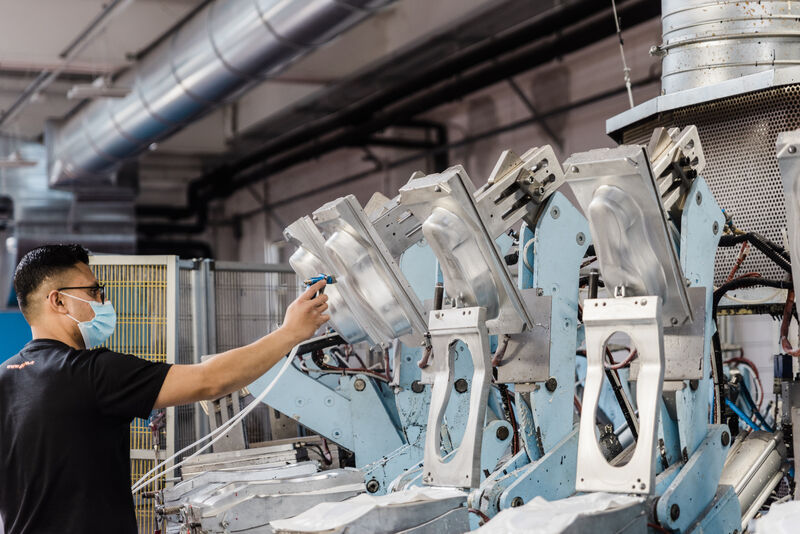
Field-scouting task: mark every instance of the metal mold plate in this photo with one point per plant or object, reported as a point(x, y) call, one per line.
point(467, 253)
point(527, 357)
point(617, 191)
point(373, 272)
point(311, 259)
point(683, 345)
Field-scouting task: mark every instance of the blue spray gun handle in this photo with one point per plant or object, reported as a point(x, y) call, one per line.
point(314, 279)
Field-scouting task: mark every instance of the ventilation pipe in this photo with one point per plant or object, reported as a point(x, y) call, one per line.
point(704, 43)
point(224, 50)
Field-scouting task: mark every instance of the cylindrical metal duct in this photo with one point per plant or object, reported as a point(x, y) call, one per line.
point(706, 42)
point(227, 47)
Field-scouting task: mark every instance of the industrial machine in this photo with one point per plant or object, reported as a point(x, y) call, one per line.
point(544, 350)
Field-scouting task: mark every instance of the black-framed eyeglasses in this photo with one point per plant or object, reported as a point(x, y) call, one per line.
point(97, 290)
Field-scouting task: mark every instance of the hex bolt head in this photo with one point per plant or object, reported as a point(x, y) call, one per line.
point(715, 227)
point(359, 384)
point(555, 212)
point(461, 385)
point(417, 386)
point(674, 512)
point(725, 438)
point(517, 501)
point(551, 384)
point(373, 486)
point(792, 149)
point(502, 433)
point(673, 321)
point(580, 238)
point(698, 198)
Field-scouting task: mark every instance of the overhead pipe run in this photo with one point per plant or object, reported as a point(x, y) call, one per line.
point(226, 48)
point(559, 35)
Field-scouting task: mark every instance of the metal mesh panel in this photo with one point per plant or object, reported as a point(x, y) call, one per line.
point(140, 295)
point(249, 305)
point(738, 135)
point(184, 415)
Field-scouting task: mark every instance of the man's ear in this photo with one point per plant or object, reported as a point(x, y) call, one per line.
point(55, 301)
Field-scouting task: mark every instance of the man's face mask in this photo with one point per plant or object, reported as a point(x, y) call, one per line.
point(98, 329)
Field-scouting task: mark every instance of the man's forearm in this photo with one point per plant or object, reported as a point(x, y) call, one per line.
point(236, 368)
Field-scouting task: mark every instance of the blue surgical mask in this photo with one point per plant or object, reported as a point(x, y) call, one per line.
point(97, 330)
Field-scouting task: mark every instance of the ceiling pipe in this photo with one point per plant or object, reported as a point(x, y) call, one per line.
point(228, 47)
point(557, 35)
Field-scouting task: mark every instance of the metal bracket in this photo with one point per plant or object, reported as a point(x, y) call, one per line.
point(640, 318)
point(694, 487)
point(447, 327)
point(684, 345)
point(551, 477)
point(527, 354)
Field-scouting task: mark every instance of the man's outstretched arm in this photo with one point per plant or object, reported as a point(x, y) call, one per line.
point(236, 368)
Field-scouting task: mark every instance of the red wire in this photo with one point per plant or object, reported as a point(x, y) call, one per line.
point(623, 363)
point(787, 318)
point(480, 514)
point(578, 404)
point(746, 275)
point(513, 421)
point(658, 528)
point(739, 260)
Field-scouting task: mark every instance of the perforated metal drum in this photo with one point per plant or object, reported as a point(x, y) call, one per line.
point(738, 134)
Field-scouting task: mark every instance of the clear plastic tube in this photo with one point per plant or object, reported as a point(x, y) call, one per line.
point(216, 434)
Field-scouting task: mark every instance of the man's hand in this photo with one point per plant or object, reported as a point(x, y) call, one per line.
point(236, 368)
point(305, 315)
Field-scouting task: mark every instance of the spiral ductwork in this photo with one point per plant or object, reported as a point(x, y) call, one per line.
point(707, 42)
point(226, 48)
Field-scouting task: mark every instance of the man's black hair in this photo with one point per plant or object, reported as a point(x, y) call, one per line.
point(42, 263)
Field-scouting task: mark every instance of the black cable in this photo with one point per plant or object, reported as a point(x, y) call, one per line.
point(716, 364)
point(619, 393)
point(772, 244)
point(509, 416)
point(716, 375)
point(749, 281)
point(772, 250)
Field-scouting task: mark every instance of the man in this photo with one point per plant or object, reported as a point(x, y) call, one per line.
point(66, 408)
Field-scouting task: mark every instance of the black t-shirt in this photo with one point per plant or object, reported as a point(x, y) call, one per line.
point(65, 418)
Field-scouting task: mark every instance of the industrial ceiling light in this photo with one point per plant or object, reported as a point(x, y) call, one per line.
point(100, 88)
point(15, 160)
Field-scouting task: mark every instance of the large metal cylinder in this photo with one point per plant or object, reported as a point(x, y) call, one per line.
point(707, 42)
point(754, 467)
